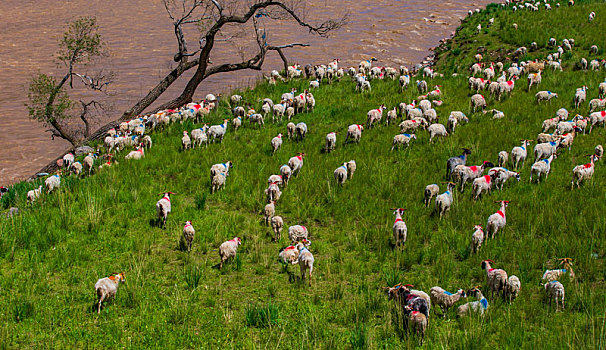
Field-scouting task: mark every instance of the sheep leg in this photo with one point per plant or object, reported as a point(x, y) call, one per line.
point(100, 302)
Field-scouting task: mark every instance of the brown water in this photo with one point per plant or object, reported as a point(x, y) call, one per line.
point(140, 38)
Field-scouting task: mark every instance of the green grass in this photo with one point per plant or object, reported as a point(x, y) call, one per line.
point(52, 254)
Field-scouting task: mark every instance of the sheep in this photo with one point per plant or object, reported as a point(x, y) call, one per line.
point(52, 182)
point(331, 142)
point(402, 139)
point(235, 99)
point(290, 130)
point(497, 221)
point(444, 201)
point(163, 208)
point(466, 173)
point(374, 116)
point(503, 158)
point(221, 168)
point(198, 136)
point(417, 321)
point(593, 49)
point(552, 275)
point(269, 211)
point(404, 82)
point(147, 143)
point(454, 119)
point(306, 261)
point(598, 151)
point(478, 101)
point(550, 124)
point(412, 125)
point(33, 195)
point(475, 69)
point(444, 299)
point(218, 131)
point(591, 16)
point(501, 175)
point(477, 238)
point(602, 89)
point(392, 115)
point(188, 235)
point(354, 132)
point(217, 182)
point(68, 159)
point(580, 96)
point(290, 255)
point(422, 86)
point(417, 300)
point(273, 192)
point(534, 79)
point(436, 130)
point(545, 96)
point(296, 163)
point(478, 306)
point(296, 233)
point(399, 228)
point(228, 249)
point(545, 138)
point(286, 173)
point(496, 114)
point(496, 279)
point(351, 168)
point(597, 118)
point(556, 65)
point(582, 173)
point(341, 174)
point(583, 63)
point(185, 141)
point(431, 115)
point(275, 178)
point(106, 288)
point(482, 184)
point(555, 290)
point(565, 128)
point(256, 118)
point(300, 131)
point(512, 289)
point(276, 225)
point(276, 143)
point(452, 162)
point(596, 104)
point(542, 167)
point(89, 160)
point(76, 168)
point(544, 150)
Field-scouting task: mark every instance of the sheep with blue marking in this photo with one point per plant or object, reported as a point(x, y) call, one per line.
point(542, 167)
point(479, 306)
point(545, 96)
point(554, 290)
point(341, 174)
point(402, 140)
point(444, 201)
point(445, 299)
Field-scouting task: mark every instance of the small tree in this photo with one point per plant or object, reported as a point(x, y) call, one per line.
point(49, 102)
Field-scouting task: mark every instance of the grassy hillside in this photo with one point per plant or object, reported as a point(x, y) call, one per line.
point(52, 254)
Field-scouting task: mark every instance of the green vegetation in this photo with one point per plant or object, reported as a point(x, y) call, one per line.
point(52, 254)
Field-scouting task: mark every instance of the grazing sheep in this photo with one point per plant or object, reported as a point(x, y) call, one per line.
point(147, 143)
point(597, 118)
point(444, 299)
point(218, 131)
point(544, 150)
point(454, 119)
point(580, 96)
point(583, 172)
point(76, 168)
point(188, 235)
point(276, 225)
point(136, 155)
point(552, 275)
point(33, 195)
point(430, 192)
point(218, 182)
point(444, 201)
point(477, 238)
point(354, 132)
point(392, 115)
point(478, 306)
point(503, 157)
point(402, 140)
point(496, 279)
point(68, 160)
point(417, 321)
point(482, 184)
point(399, 228)
point(306, 261)
point(404, 82)
point(541, 167)
point(412, 125)
point(602, 89)
point(417, 300)
point(534, 79)
point(163, 207)
point(296, 163)
point(273, 192)
point(52, 182)
point(341, 174)
point(422, 86)
point(545, 96)
point(228, 249)
point(185, 141)
point(596, 104)
point(296, 233)
point(286, 173)
point(554, 290)
point(300, 131)
point(546, 138)
point(199, 137)
point(290, 130)
point(496, 114)
point(89, 160)
point(583, 63)
point(221, 168)
point(269, 211)
point(276, 143)
point(436, 130)
point(478, 101)
point(351, 168)
point(593, 49)
point(106, 288)
point(275, 178)
point(467, 173)
point(513, 287)
point(501, 175)
point(331, 142)
point(550, 123)
point(235, 99)
point(497, 221)
point(598, 151)
point(374, 116)
point(452, 162)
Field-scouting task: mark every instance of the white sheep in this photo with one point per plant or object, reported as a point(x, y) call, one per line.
point(482, 184)
point(496, 279)
point(392, 115)
point(404, 82)
point(550, 123)
point(276, 225)
point(296, 163)
point(402, 140)
point(417, 321)
point(199, 136)
point(297, 233)
point(354, 132)
point(399, 228)
point(275, 178)
point(374, 116)
point(497, 221)
point(580, 96)
point(331, 142)
point(185, 141)
point(163, 207)
point(351, 168)
point(76, 168)
point(422, 86)
point(546, 149)
point(300, 131)
point(412, 125)
point(444, 201)
point(228, 250)
point(341, 174)
point(276, 143)
point(554, 290)
point(273, 192)
point(583, 63)
point(469, 173)
point(501, 175)
point(221, 168)
point(598, 151)
point(89, 161)
point(583, 172)
point(545, 96)
point(503, 158)
point(430, 192)
point(445, 300)
point(218, 131)
point(597, 104)
point(478, 101)
point(306, 261)
point(290, 130)
point(593, 49)
point(52, 182)
point(218, 182)
point(68, 160)
point(477, 238)
point(33, 195)
point(147, 143)
point(188, 235)
point(542, 167)
point(106, 288)
point(436, 130)
point(478, 306)
point(454, 119)
point(513, 287)
point(269, 211)
point(286, 173)
point(235, 99)
point(602, 89)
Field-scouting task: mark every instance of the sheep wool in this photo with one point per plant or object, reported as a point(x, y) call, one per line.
point(188, 235)
point(277, 223)
point(445, 299)
point(106, 288)
point(228, 250)
point(33, 195)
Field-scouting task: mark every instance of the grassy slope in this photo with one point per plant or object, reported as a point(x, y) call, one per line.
point(51, 255)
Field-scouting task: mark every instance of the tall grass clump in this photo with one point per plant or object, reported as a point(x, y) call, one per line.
point(262, 316)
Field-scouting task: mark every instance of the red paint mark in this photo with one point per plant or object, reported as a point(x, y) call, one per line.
point(501, 213)
point(487, 178)
point(473, 168)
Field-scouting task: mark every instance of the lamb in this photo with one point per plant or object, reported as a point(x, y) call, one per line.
point(341, 174)
point(478, 101)
point(454, 119)
point(286, 173)
point(228, 250)
point(404, 82)
point(534, 79)
point(217, 182)
point(392, 115)
point(444, 299)
point(331, 142)
point(477, 238)
point(374, 116)
point(466, 173)
point(582, 173)
point(218, 131)
point(68, 160)
point(351, 168)
point(306, 261)
point(512, 289)
point(555, 290)
point(354, 132)
point(444, 201)
point(106, 288)
point(412, 125)
point(76, 168)
point(402, 139)
point(273, 192)
point(580, 96)
point(422, 86)
point(33, 195)
point(503, 157)
point(399, 227)
point(542, 167)
point(495, 278)
point(276, 143)
point(436, 130)
point(501, 175)
point(163, 208)
point(545, 96)
point(596, 104)
point(478, 306)
point(199, 136)
point(417, 321)
point(89, 161)
point(52, 182)
point(290, 130)
point(276, 225)
point(482, 184)
point(185, 141)
point(221, 168)
point(300, 131)
point(296, 163)
point(188, 235)
point(496, 114)
point(544, 150)
point(297, 233)
point(269, 211)
point(430, 192)
point(497, 221)
point(452, 162)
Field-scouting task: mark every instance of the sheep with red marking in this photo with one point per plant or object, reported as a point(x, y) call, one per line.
point(597, 118)
point(597, 104)
point(374, 116)
point(497, 221)
point(296, 163)
point(228, 250)
point(163, 207)
point(496, 279)
point(469, 173)
point(399, 228)
point(273, 192)
point(106, 288)
point(354, 132)
point(297, 233)
point(583, 172)
point(482, 184)
point(478, 101)
point(550, 123)
point(276, 143)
